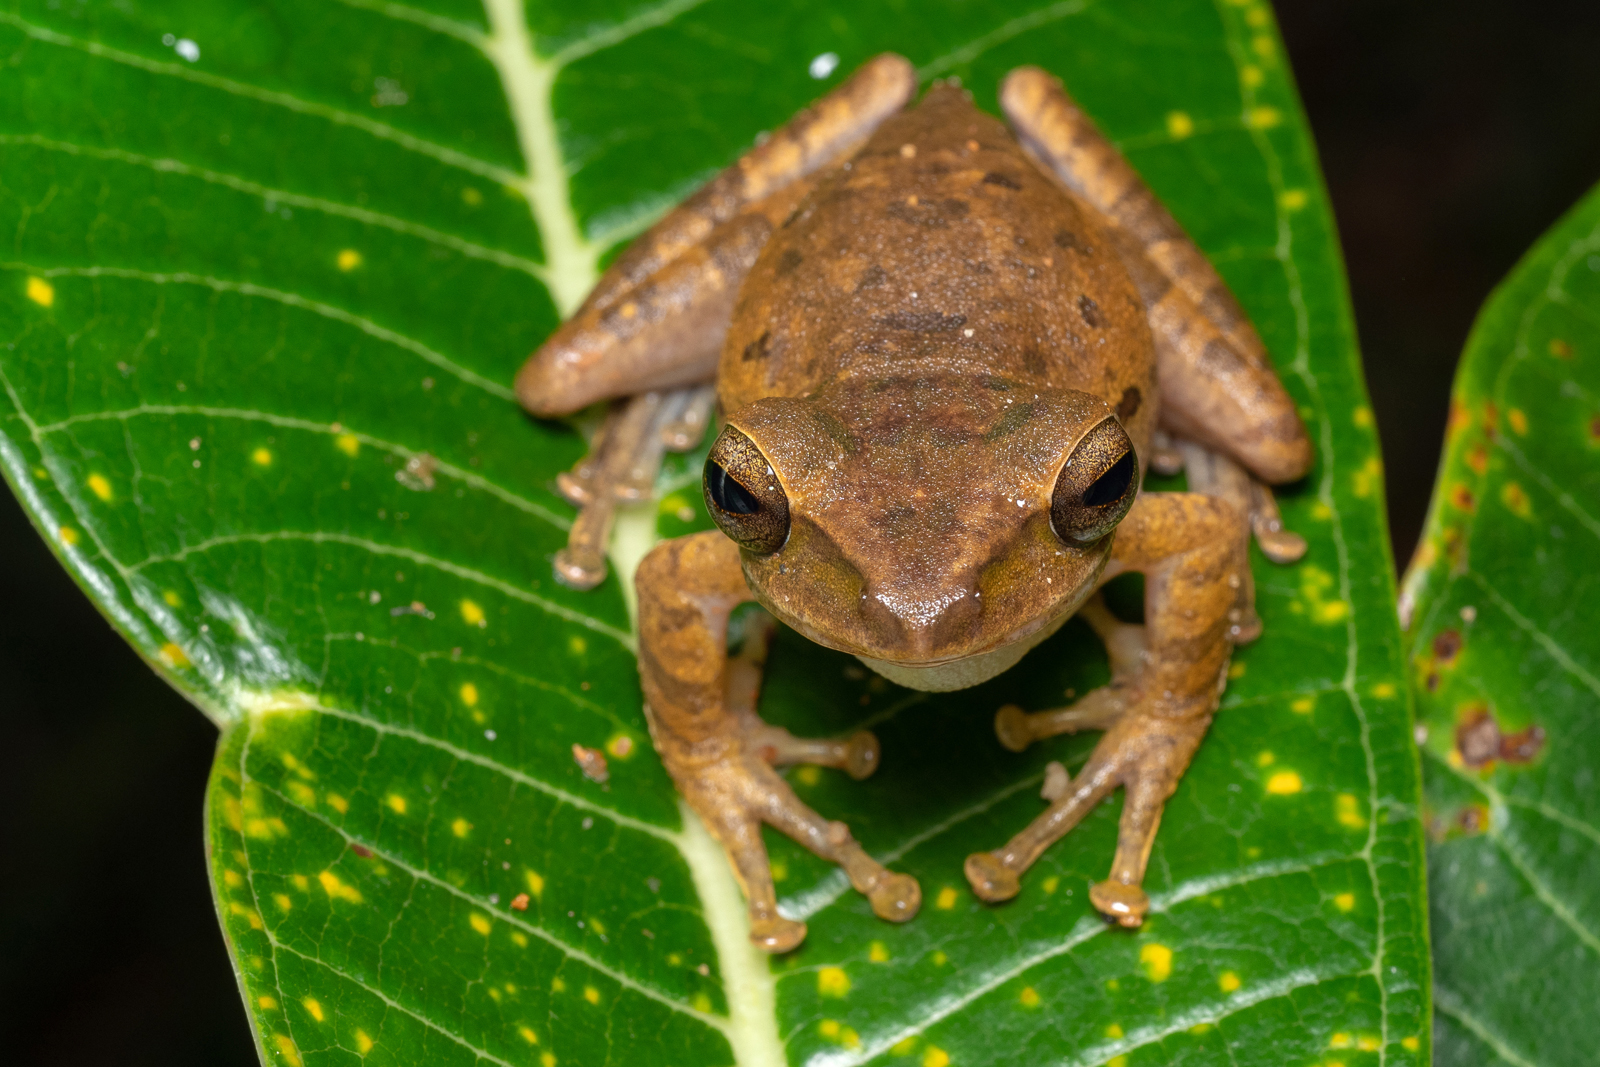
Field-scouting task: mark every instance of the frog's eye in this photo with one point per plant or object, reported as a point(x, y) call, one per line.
point(1097, 485)
point(743, 494)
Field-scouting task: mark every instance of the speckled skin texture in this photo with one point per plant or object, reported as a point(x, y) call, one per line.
point(937, 323)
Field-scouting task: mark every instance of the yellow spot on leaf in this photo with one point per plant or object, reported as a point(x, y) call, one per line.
point(1029, 997)
point(1293, 200)
point(349, 259)
point(1256, 17)
point(1228, 982)
point(348, 443)
point(313, 1007)
point(282, 901)
point(1284, 783)
point(829, 1028)
point(1383, 690)
point(335, 887)
point(68, 535)
point(833, 982)
point(1362, 416)
point(100, 487)
point(808, 775)
point(480, 923)
point(621, 746)
point(577, 645)
point(935, 1057)
point(1368, 1043)
point(1518, 420)
point(472, 614)
point(461, 828)
point(471, 197)
point(1251, 76)
point(1236, 669)
point(946, 899)
point(396, 802)
point(300, 882)
point(1365, 481)
point(1157, 961)
point(1263, 118)
point(595, 925)
point(877, 952)
point(1345, 901)
point(1179, 125)
point(536, 884)
point(232, 879)
point(267, 1003)
point(1114, 1031)
point(469, 695)
point(520, 939)
point(591, 994)
point(1049, 884)
point(702, 1002)
point(301, 793)
point(1265, 759)
point(527, 1034)
point(1264, 46)
point(286, 1049)
point(1302, 705)
point(41, 292)
point(1117, 1061)
point(904, 1046)
point(363, 1042)
point(1410, 1044)
point(1200, 1028)
point(1513, 497)
point(247, 913)
point(173, 656)
point(261, 457)
point(1341, 1040)
point(547, 1060)
point(940, 959)
point(1348, 811)
point(338, 803)
point(172, 599)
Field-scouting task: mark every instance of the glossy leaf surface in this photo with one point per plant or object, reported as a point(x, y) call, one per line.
point(271, 271)
point(1503, 620)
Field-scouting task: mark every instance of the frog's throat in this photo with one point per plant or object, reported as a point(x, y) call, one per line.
point(966, 671)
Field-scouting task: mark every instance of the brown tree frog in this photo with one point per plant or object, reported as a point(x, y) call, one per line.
point(945, 352)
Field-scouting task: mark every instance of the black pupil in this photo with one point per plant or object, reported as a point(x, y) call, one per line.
point(1109, 487)
point(728, 494)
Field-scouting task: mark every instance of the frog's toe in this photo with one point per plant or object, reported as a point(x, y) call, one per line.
point(776, 934)
point(862, 754)
point(1126, 905)
point(895, 897)
point(1012, 727)
point(991, 880)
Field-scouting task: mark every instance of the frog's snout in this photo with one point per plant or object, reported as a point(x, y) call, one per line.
point(926, 619)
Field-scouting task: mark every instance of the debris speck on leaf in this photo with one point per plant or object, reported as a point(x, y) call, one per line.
point(592, 762)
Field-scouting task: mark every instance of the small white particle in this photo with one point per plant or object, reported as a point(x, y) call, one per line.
point(494, 898)
point(490, 734)
point(1469, 613)
point(196, 464)
point(168, 39)
point(187, 49)
point(1420, 734)
point(588, 821)
point(966, 333)
point(824, 65)
point(194, 444)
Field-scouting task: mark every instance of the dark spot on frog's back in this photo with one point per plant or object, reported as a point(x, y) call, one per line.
point(758, 348)
point(921, 321)
point(1069, 240)
point(1128, 406)
point(1004, 181)
point(788, 262)
point(1090, 312)
point(871, 278)
point(933, 214)
point(1014, 419)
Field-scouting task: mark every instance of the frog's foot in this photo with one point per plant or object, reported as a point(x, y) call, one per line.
point(735, 795)
point(1143, 751)
point(1125, 645)
point(1215, 474)
point(621, 468)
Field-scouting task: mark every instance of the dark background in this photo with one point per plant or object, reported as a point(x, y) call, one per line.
point(1452, 135)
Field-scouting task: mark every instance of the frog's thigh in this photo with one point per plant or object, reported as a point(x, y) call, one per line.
point(718, 752)
point(657, 318)
point(1190, 548)
point(1217, 385)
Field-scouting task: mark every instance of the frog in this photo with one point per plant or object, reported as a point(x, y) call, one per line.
point(944, 351)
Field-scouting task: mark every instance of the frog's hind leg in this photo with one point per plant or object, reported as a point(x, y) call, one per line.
point(1218, 387)
point(656, 320)
point(1166, 684)
point(702, 720)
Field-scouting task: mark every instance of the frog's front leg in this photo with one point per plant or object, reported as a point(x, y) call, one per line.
point(719, 752)
point(1191, 549)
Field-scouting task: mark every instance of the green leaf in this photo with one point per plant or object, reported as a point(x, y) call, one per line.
point(264, 297)
point(1502, 616)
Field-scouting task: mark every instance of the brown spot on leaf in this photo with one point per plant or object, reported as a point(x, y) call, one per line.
point(1479, 741)
point(592, 762)
point(1478, 458)
point(1462, 498)
point(1560, 349)
point(519, 902)
point(1445, 646)
point(362, 851)
point(1473, 819)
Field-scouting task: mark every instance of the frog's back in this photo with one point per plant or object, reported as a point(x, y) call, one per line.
point(940, 248)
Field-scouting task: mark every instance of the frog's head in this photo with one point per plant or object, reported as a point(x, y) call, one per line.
point(937, 527)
